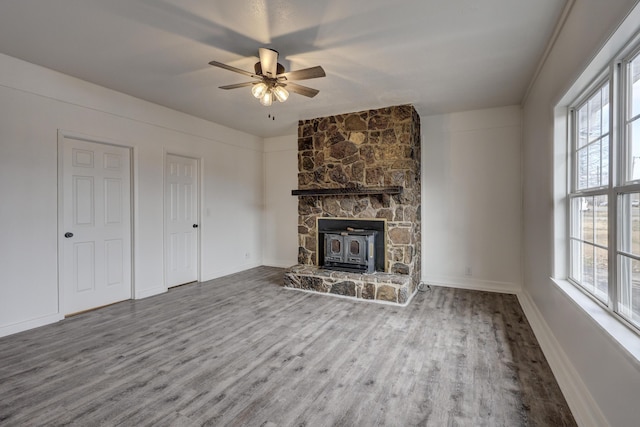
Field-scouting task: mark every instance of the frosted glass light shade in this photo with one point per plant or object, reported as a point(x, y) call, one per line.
point(266, 99)
point(280, 93)
point(258, 90)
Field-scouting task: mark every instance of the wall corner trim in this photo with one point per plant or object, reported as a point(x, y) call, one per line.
point(584, 408)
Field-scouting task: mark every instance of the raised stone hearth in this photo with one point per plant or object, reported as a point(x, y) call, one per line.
point(395, 288)
point(362, 166)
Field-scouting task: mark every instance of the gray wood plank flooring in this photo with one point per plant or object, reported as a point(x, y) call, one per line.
point(241, 350)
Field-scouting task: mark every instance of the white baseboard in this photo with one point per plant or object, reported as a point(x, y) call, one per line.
point(233, 270)
point(146, 293)
point(473, 284)
point(29, 324)
point(583, 407)
point(278, 263)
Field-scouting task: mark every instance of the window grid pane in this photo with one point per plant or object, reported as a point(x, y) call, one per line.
point(629, 289)
point(582, 127)
point(586, 214)
point(594, 106)
point(576, 261)
point(601, 268)
point(605, 110)
point(629, 236)
point(601, 221)
point(633, 138)
point(634, 87)
point(583, 170)
point(594, 164)
point(588, 267)
point(604, 178)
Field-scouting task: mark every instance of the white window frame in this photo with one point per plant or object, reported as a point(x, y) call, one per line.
point(616, 189)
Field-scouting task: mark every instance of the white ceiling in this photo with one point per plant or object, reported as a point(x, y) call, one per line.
point(439, 55)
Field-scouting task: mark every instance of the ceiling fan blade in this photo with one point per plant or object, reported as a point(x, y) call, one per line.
point(304, 74)
point(237, 85)
point(301, 90)
point(268, 61)
point(234, 69)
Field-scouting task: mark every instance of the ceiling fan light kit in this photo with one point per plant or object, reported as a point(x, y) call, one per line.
point(266, 93)
point(273, 80)
point(267, 99)
point(259, 89)
point(280, 93)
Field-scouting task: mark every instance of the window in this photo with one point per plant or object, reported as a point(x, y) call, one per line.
point(628, 254)
point(604, 196)
point(589, 226)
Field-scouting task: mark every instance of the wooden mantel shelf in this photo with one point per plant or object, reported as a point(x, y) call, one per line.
point(320, 192)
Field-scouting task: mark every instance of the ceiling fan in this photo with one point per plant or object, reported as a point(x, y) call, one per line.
point(272, 81)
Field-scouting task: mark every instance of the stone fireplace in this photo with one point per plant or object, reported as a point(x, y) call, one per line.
point(362, 167)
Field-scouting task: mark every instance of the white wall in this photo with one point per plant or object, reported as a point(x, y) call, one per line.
point(281, 208)
point(601, 381)
point(471, 199)
point(34, 104)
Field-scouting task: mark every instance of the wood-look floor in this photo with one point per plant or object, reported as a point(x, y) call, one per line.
point(241, 350)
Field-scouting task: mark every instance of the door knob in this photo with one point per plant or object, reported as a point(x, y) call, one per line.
point(67, 234)
point(195, 225)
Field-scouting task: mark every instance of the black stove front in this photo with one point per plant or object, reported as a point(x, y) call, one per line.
point(350, 250)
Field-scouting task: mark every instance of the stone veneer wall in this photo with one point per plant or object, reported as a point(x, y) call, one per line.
point(373, 148)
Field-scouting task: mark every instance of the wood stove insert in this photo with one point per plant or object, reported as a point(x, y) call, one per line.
point(350, 250)
point(354, 245)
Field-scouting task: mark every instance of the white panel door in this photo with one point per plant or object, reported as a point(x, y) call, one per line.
point(181, 220)
point(95, 261)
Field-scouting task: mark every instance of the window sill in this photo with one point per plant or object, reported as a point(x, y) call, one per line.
point(620, 333)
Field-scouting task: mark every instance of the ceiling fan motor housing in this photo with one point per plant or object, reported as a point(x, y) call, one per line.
point(258, 68)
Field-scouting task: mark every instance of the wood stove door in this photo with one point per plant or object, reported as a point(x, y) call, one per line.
point(333, 247)
point(355, 248)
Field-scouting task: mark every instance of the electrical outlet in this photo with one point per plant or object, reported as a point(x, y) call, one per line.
point(467, 271)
